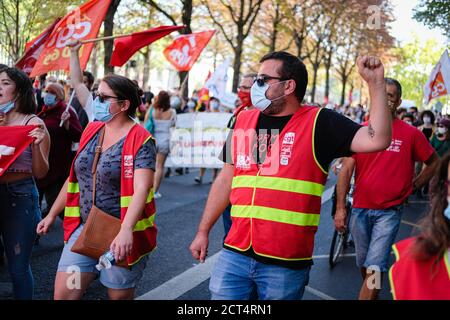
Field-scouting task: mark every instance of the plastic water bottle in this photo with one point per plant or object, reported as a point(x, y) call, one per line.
point(106, 261)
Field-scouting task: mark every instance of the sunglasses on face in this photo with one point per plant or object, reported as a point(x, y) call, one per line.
point(102, 97)
point(261, 80)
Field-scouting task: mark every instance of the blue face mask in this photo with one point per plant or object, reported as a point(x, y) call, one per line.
point(447, 210)
point(101, 111)
point(258, 96)
point(6, 107)
point(49, 99)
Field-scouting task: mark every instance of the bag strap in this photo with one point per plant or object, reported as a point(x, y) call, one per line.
point(98, 151)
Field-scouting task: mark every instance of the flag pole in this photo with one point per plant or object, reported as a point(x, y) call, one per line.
point(68, 105)
point(105, 38)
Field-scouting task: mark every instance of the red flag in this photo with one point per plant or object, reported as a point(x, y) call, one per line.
point(13, 141)
point(185, 49)
point(80, 24)
point(125, 47)
point(203, 94)
point(34, 48)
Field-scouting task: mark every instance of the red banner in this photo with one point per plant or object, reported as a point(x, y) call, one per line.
point(80, 24)
point(125, 47)
point(185, 49)
point(34, 48)
point(13, 141)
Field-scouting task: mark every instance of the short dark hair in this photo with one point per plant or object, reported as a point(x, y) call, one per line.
point(124, 89)
point(3, 66)
point(393, 82)
point(90, 78)
point(428, 113)
point(25, 101)
point(163, 101)
point(408, 115)
point(292, 68)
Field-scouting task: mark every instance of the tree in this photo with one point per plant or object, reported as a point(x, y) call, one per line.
point(434, 13)
point(416, 60)
point(22, 20)
point(171, 12)
point(235, 19)
point(108, 29)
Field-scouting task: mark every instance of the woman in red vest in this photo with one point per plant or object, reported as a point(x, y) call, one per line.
point(124, 179)
point(422, 270)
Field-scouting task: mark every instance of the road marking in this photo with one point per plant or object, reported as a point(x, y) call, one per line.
point(319, 294)
point(326, 256)
point(191, 278)
point(182, 283)
point(410, 224)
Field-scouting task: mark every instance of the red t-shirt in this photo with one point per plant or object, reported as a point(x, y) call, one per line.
point(384, 179)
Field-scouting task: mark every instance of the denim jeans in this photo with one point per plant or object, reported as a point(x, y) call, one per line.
point(19, 216)
point(374, 232)
point(238, 277)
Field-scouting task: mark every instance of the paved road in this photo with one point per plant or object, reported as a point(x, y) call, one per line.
point(172, 273)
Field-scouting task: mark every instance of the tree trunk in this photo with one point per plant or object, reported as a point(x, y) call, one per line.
point(327, 74)
point(94, 65)
point(276, 21)
point(186, 19)
point(237, 64)
point(16, 40)
point(314, 85)
point(108, 31)
point(146, 71)
point(344, 84)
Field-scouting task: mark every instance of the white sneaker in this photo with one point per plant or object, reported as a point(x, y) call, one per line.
point(157, 195)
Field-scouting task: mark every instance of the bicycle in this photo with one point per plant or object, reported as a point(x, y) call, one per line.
point(341, 241)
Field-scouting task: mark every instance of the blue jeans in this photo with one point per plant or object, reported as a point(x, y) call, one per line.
point(238, 277)
point(374, 232)
point(19, 216)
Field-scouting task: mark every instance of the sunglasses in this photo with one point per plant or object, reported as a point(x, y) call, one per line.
point(261, 80)
point(103, 97)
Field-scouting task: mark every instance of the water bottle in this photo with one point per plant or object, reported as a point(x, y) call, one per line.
point(106, 261)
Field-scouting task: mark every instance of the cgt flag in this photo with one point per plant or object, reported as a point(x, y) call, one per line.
point(438, 84)
point(184, 51)
point(81, 24)
point(125, 47)
point(13, 141)
point(34, 48)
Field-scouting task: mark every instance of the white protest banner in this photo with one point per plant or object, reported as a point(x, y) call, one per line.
point(438, 84)
point(217, 83)
point(198, 139)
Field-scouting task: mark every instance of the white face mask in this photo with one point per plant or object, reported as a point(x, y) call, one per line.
point(258, 95)
point(442, 130)
point(447, 210)
point(409, 122)
point(426, 120)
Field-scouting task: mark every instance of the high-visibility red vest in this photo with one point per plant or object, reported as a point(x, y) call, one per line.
point(144, 234)
point(412, 279)
point(276, 207)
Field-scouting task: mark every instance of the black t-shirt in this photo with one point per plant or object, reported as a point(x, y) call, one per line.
point(333, 137)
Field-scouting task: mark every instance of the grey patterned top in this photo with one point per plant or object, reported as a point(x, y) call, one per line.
point(108, 174)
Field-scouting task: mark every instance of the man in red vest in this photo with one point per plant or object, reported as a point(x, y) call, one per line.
point(274, 176)
point(378, 202)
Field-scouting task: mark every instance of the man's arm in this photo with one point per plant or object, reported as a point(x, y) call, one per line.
point(342, 187)
point(377, 135)
point(427, 173)
point(218, 200)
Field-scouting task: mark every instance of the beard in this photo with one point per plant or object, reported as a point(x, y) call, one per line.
point(276, 107)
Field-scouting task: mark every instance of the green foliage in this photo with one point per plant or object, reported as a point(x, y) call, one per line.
point(434, 14)
point(414, 66)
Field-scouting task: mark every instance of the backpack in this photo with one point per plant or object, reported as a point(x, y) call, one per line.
point(150, 124)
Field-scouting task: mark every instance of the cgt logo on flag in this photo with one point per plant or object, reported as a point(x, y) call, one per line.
point(184, 51)
point(438, 84)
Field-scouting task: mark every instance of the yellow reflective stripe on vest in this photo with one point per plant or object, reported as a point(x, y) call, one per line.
point(146, 223)
point(73, 187)
point(125, 201)
point(276, 215)
point(73, 212)
point(281, 184)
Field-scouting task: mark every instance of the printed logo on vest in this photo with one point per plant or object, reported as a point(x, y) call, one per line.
point(243, 161)
point(289, 138)
point(128, 173)
point(128, 160)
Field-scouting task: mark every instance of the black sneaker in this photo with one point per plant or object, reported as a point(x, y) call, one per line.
point(179, 171)
point(198, 180)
